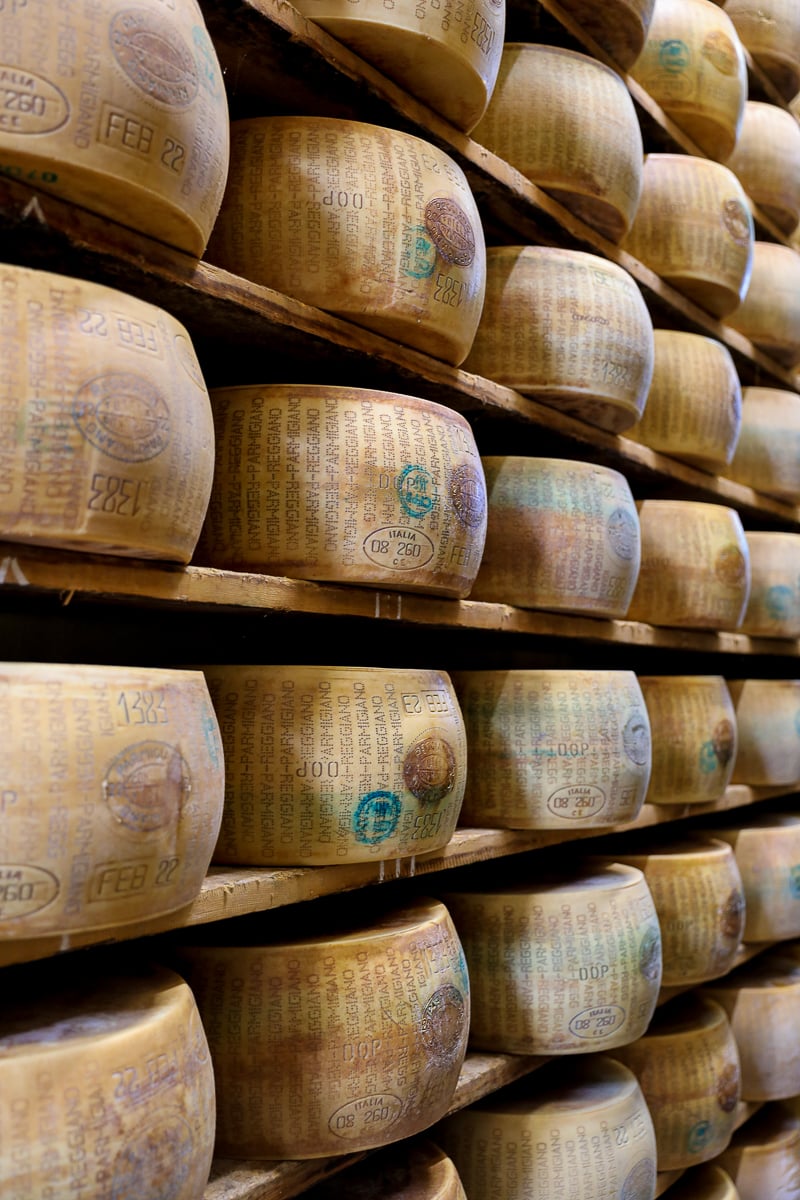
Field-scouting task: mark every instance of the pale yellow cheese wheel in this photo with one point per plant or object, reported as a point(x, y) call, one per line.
point(770, 29)
point(709, 1182)
point(695, 569)
point(693, 65)
point(768, 722)
point(767, 850)
point(693, 728)
point(699, 899)
point(107, 436)
point(767, 455)
point(414, 1171)
point(565, 965)
point(767, 162)
point(113, 783)
point(337, 764)
point(119, 108)
point(106, 1086)
point(773, 609)
point(373, 225)
point(620, 26)
point(551, 1136)
point(687, 1065)
point(554, 749)
point(346, 484)
point(334, 1042)
point(769, 315)
point(764, 1156)
point(560, 535)
point(693, 228)
point(567, 122)
point(694, 406)
point(568, 328)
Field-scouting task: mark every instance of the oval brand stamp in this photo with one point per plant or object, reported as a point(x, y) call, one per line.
point(399, 548)
point(155, 1162)
point(154, 57)
point(699, 1137)
point(707, 759)
point(429, 768)
point(577, 801)
point(650, 955)
point(468, 492)
point(124, 416)
point(724, 741)
point(736, 220)
point(451, 231)
point(376, 817)
point(188, 360)
point(622, 530)
point(443, 1027)
point(596, 1023)
point(636, 739)
point(417, 490)
point(730, 566)
point(779, 601)
point(640, 1181)
point(729, 1088)
point(377, 1111)
point(418, 255)
point(146, 786)
point(720, 52)
point(25, 890)
point(32, 104)
point(731, 917)
point(674, 56)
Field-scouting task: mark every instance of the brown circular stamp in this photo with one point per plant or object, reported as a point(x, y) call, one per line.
point(724, 741)
point(443, 1026)
point(730, 566)
point(450, 230)
point(736, 220)
point(640, 1181)
point(731, 917)
point(468, 493)
point(123, 415)
point(154, 56)
point(429, 768)
point(720, 52)
point(729, 1088)
point(146, 786)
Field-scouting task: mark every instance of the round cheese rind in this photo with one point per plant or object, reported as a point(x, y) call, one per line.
point(767, 455)
point(769, 314)
point(770, 29)
point(568, 328)
point(693, 728)
point(773, 609)
point(767, 853)
point(113, 783)
point(768, 723)
point(108, 439)
point(347, 485)
point(554, 749)
point(106, 1087)
point(415, 1171)
point(371, 224)
point(560, 535)
point(119, 108)
point(337, 764)
point(709, 1182)
point(764, 1155)
point(767, 162)
point(564, 966)
point(620, 26)
point(334, 1043)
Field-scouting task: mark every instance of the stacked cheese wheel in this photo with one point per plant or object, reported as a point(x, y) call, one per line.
point(693, 729)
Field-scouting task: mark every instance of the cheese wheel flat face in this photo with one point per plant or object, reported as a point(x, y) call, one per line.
point(570, 329)
point(415, 1171)
point(337, 764)
point(560, 535)
point(770, 29)
point(769, 315)
point(113, 783)
point(703, 1183)
point(620, 26)
point(108, 438)
point(336, 1043)
point(119, 108)
point(567, 967)
point(347, 485)
point(373, 225)
point(767, 455)
point(106, 1088)
point(693, 728)
point(768, 721)
point(764, 1155)
point(767, 162)
point(767, 853)
point(554, 749)
point(773, 609)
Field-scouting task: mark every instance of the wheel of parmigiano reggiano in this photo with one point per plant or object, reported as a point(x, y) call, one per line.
point(414, 1171)
point(703, 1183)
point(699, 898)
point(119, 108)
point(773, 609)
point(334, 1042)
point(550, 1136)
point(113, 785)
point(764, 1156)
point(693, 227)
point(693, 65)
point(348, 485)
point(767, 162)
point(567, 122)
point(560, 535)
point(770, 29)
point(767, 455)
point(371, 224)
point(106, 1087)
point(688, 1067)
point(554, 749)
point(695, 570)
point(694, 406)
point(767, 853)
point(620, 26)
point(337, 764)
point(108, 441)
point(693, 728)
point(567, 965)
point(768, 722)
point(568, 328)
point(769, 315)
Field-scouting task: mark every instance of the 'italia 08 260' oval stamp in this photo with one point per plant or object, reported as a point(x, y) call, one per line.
point(147, 785)
point(124, 415)
point(154, 56)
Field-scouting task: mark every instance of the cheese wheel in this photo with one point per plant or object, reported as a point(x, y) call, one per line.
point(337, 764)
point(567, 965)
point(620, 26)
point(570, 329)
point(540, 507)
point(699, 899)
point(554, 749)
point(695, 569)
point(693, 65)
point(767, 162)
point(769, 315)
point(414, 1171)
point(337, 1042)
point(773, 609)
point(693, 727)
point(709, 1182)
point(767, 455)
point(768, 722)
point(447, 56)
point(551, 1136)
point(694, 406)
point(688, 1067)
point(106, 1086)
point(693, 228)
point(108, 441)
point(764, 1156)
point(346, 484)
point(374, 225)
point(767, 850)
point(113, 785)
point(120, 109)
point(770, 29)
point(567, 122)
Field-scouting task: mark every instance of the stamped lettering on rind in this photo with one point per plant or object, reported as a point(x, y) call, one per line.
point(468, 493)
point(594, 1023)
point(429, 768)
point(699, 1136)
point(376, 817)
point(674, 56)
point(451, 230)
point(357, 1117)
point(732, 914)
point(576, 802)
point(155, 58)
point(418, 255)
point(779, 601)
point(720, 52)
point(155, 1162)
point(736, 220)
point(443, 1027)
point(724, 741)
point(146, 786)
point(399, 548)
point(25, 890)
point(29, 103)
point(636, 739)
point(640, 1181)
point(622, 529)
point(124, 416)
point(650, 955)
point(729, 1088)
point(417, 490)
